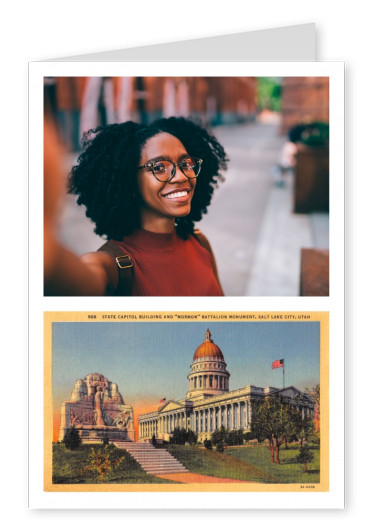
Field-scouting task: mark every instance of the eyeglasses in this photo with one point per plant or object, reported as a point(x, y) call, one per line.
point(165, 170)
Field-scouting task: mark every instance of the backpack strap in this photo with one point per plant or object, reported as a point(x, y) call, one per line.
point(125, 268)
point(204, 242)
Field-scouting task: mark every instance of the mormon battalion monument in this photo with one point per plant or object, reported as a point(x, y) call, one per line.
point(97, 410)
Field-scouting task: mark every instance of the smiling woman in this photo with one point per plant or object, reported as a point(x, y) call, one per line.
point(166, 188)
point(144, 187)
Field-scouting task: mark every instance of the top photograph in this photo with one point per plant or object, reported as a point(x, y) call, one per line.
point(186, 186)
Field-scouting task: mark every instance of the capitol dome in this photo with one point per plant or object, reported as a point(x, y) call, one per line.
point(208, 349)
point(208, 375)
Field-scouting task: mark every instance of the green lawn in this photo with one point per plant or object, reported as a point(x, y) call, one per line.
point(288, 471)
point(212, 463)
point(249, 463)
point(69, 467)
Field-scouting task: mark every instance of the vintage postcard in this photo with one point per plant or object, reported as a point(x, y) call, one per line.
point(178, 402)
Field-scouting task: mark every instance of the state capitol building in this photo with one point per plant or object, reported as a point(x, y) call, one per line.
point(209, 403)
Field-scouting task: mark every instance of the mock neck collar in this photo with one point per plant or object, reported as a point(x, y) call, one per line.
point(153, 241)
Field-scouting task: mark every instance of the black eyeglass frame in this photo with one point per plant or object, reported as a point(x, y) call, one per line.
point(150, 165)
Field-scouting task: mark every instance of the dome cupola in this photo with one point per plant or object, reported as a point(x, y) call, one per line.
point(208, 349)
point(208, 375)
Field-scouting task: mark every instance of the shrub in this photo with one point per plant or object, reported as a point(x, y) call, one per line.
point(105, 440)
point(72, 439)
point(220, 447)
point(208, 444)
point(314, 438)
point(234, 438)
point(247, 436)
point(103, 460)
point(219, 435)
point(179, 436)
point(316, 134)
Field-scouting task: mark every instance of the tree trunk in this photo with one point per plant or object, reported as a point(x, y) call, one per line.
point(271, 448)
point(277, 455)
point(305, 466)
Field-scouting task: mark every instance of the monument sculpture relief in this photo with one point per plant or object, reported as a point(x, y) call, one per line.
point(97, 410)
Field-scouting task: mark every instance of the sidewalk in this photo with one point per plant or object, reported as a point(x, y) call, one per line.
point(190, 477)
point(238, 206)
point(276, 266)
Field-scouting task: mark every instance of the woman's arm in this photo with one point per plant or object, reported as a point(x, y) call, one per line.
point(64, 272)
point(68, 274)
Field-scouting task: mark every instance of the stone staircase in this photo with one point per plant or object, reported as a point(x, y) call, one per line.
point(153, 460)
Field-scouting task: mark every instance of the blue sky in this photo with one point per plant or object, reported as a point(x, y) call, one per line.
point(151, 360)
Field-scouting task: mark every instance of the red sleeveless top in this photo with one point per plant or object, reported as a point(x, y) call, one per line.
point(166, 265)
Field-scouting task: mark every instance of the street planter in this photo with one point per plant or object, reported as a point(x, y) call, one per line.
point(311, 184)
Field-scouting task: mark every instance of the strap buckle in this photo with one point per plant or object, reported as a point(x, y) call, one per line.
point(127, 264)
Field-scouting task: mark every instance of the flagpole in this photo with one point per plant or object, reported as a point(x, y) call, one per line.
point(283, 373)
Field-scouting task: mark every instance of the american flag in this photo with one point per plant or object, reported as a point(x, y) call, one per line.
point(162, 400)
point(277, 364)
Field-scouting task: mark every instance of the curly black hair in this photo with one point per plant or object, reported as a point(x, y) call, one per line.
point(105, 176)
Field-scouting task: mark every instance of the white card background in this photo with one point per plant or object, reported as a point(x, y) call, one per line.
point(333, 304)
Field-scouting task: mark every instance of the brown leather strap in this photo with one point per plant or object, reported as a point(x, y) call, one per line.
point(125, 268)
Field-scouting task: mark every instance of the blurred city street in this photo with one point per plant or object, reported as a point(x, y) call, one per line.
point(255, 235)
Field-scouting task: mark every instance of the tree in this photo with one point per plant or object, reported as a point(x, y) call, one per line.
point(269, 91)
point(314, 393)
point(271, 420)
point(293, 426)
point(72, 439)
point(103, 460)
point(191, 437)
point(179, 436)
point(305, 429)
point(305, 456)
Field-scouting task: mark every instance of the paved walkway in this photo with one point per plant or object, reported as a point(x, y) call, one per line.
point(236, 213)
point(276, 264)
point(190, 477)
